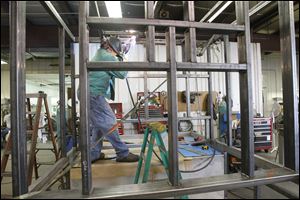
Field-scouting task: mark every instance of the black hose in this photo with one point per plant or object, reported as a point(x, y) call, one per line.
point(197, 170)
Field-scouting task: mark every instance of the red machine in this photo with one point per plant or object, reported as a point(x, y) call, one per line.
point(262, 133)
point(118, 110)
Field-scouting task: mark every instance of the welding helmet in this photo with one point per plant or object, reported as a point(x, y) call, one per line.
point(115, 44)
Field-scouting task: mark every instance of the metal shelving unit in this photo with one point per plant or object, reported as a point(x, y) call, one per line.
point(249, 177)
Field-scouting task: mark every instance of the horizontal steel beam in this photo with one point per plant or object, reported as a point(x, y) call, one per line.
point(52, 11)
point(162, 189)
point(128, 66)
point(259, 161)
point(167, 23)
point(144, 120)
point(230, 67)
point(165, 76)
point(163, 66)
point(47, 177)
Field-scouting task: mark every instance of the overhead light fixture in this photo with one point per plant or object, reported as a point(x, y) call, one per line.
point(3, 62)
point(114, 9)
point(130, 31)
point(219, 11)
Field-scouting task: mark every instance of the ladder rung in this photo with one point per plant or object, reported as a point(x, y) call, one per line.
point(36, 95)
point(8, 152)
point(46, 163)
point(44, 148)
point(6, 174)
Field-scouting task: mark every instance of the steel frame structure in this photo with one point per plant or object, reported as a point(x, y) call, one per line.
point(174, 186)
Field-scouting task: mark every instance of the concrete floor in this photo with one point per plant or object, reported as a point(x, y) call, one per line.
point(98, 178)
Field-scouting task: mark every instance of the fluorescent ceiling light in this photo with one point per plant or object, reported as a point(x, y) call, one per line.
point(219, 11)
point(114, 9)
point(130, 31)
point(3, 62)
point(211, 10)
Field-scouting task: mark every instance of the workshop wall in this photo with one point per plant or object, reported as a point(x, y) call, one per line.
point(272, 79)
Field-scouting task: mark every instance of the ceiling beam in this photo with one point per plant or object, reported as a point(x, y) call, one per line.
point(270, 16)
point(53, 12)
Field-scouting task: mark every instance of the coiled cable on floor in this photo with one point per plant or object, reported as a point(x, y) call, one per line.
point(197, 170)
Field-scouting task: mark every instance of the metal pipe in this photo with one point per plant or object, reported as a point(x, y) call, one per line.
point(17, 25)
point(246, 97)
point(84, 99)
point(289, 84)
point(172, 108)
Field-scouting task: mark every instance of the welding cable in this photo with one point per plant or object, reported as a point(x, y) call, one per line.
point(197, 170)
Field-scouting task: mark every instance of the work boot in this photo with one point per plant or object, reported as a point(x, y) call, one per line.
point(102, 156)
point(130, 158)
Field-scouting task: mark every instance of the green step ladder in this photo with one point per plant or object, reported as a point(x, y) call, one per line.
point(155, 137)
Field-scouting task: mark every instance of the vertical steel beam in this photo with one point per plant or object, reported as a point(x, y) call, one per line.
point(190, 35)
point(244, 51)
point(289, 84)
point(228, 91)
point(62, 100)
point(146, 108)
point(257, 192)
point(172, 108)
point(226, 170)
point(62, 92)
point(73, 91)
point(189, 47)
point(150, 44)
point(228, 105)
point(17, 17)
point(210, 96)
point(84, 99)
point(150, 48)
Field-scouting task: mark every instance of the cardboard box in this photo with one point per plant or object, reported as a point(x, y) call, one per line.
point(200, 102)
